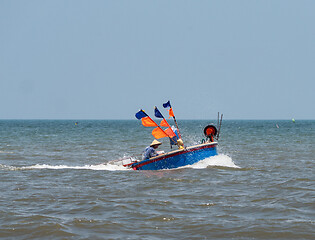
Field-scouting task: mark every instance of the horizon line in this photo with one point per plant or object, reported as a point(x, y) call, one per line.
point(125, 119)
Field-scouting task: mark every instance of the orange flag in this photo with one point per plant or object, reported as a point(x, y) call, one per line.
point(170, 132)
point(164, 123)
point(148, 122)
point(170, 112)
point(158, 133)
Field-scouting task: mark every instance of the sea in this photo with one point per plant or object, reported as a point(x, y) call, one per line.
point(57, 181)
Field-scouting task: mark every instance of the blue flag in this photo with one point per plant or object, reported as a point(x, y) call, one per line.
point(157, 113)
point(168, 104)
point(141, 114)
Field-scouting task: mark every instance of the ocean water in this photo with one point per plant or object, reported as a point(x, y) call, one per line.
point(56, 182)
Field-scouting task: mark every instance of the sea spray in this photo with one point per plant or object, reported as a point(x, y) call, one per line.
point(220, 160)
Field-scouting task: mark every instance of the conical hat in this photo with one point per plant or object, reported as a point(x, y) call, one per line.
point(155, 142)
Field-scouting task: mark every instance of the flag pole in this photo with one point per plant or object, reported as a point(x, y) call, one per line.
point(177, 127)
point(162, 130)
point(142, 114)
point(158, 114)
point(220, 127)
point(169, 104)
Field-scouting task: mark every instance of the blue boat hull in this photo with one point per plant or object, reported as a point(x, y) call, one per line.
point(178, 158)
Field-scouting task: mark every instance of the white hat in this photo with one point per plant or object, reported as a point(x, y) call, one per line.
point(155, 142)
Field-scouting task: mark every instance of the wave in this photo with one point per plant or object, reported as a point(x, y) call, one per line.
point(5, 152)
point(220, 160)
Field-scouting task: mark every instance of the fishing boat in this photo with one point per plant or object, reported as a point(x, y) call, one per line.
point(184, 155)
point(177, 158)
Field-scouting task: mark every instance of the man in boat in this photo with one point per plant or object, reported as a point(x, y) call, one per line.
point(150, 151)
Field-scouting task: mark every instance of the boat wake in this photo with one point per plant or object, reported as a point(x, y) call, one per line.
point(220, 160)
point(106, 167)
point(217, 161)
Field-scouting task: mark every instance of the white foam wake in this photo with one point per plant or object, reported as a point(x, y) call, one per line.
point(107, 167)
point(220, 160)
